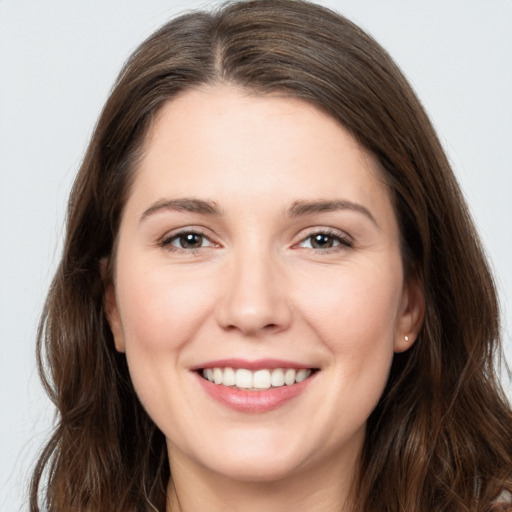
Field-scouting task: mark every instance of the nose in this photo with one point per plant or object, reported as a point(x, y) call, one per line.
point(255, 299)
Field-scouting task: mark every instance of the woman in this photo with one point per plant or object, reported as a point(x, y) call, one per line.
point(271, 295)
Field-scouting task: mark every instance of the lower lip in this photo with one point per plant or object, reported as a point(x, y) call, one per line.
point(247, 401)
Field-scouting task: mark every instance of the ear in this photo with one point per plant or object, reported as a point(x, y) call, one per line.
point(111, 309)
point(411, 314)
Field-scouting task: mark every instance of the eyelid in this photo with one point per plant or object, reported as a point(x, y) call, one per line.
point(166, 240)
point(344, 239)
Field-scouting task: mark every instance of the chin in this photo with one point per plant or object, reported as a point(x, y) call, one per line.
point(256, 470)
point(259, 461)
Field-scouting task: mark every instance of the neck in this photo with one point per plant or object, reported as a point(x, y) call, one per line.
point(324, 489)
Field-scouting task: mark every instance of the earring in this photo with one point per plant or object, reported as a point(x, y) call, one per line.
point(406, 339)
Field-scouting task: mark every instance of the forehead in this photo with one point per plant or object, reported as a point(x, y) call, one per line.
point(225, 144)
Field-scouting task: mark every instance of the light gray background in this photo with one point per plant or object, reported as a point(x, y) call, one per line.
point(58, 60)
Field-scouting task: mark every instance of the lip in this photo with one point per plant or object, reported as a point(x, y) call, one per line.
point(254, 402)
point(258, 364)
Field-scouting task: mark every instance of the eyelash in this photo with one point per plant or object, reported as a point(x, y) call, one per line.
point(167, 241)
point(343, 242)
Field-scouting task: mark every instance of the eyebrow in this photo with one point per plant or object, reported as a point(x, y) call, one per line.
point(189, 205)
point(299, 208)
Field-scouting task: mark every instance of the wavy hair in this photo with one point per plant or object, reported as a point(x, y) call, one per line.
point(440, 438)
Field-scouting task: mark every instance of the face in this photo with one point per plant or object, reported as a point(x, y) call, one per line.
point(259, 293)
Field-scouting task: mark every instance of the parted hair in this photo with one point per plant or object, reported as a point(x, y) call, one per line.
point(440, 439)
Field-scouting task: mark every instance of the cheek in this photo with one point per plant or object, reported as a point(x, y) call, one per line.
point(355, 315)
point(160, 311)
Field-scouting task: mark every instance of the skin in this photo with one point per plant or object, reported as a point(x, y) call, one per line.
point(256, 287)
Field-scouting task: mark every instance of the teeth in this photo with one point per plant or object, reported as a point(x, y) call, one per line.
point(289, 377)
point(258, 380)
point(229, 377)
point(261, 379)
point(302, 374)
point(277, 378)
point(243, 378)
point(217, 376)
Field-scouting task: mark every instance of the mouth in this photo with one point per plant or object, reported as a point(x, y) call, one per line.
point(256, 380)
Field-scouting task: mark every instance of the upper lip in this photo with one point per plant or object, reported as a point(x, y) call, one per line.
point(257, 364)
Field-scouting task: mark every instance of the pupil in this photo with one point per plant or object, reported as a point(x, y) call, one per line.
point(191, 241)
point(322, 241)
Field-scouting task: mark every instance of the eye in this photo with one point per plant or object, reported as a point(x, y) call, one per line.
point(186, 240)
point(323, 240)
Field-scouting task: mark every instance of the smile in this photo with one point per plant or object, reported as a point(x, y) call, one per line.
point(254, 386)
point(259, 380)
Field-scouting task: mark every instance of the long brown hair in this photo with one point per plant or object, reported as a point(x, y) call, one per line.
point(440, 438)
